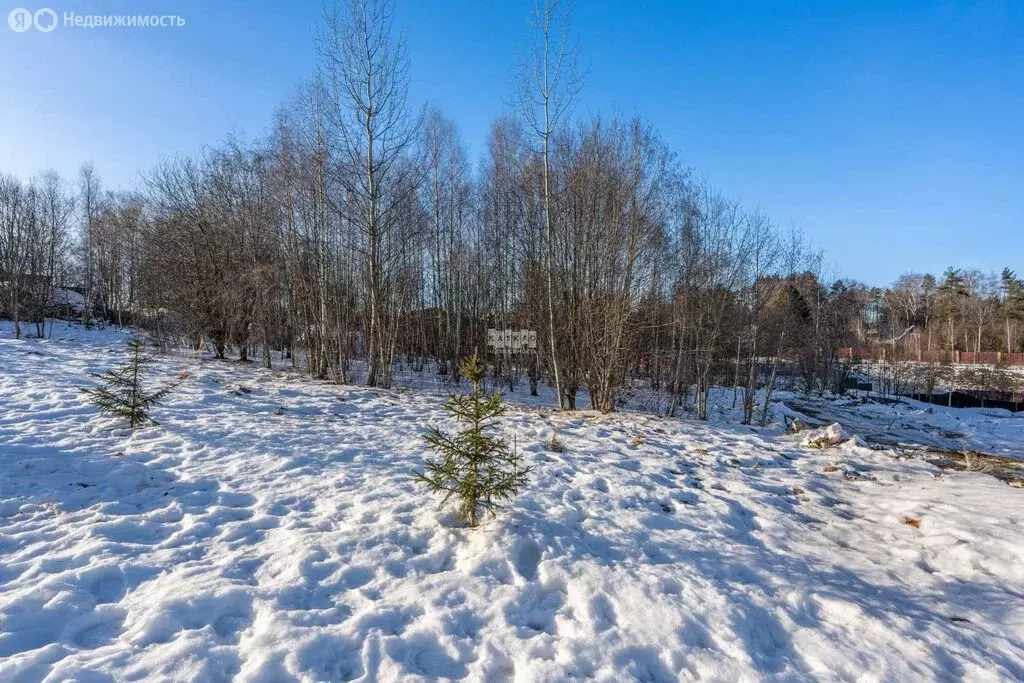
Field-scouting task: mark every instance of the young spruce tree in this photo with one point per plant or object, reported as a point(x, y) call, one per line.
point(477, 469)
point(123, 394)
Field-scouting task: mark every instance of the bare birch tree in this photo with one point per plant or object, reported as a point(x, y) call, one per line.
point(549, 85)
point(366, 70)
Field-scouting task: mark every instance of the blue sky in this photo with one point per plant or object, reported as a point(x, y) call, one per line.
point(890, 133)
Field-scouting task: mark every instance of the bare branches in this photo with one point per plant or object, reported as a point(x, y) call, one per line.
point(549, 80)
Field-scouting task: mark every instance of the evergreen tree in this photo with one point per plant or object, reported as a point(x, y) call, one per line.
point(1013, 305)
point(477, 469)
point(123, 394)
point(954, 284)
point(1013, 293)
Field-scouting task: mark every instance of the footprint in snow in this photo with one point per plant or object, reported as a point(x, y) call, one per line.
point(526, 558)
point(572, 495)
point(227, 626)
point(696, 635)
point(106, 585)
point(96, 628)
point(249, 531)
point(602, 612)
point(244, 570)
point(391, 622)
point(356, 577)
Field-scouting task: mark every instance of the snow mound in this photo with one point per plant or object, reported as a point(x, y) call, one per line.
point(825, 437)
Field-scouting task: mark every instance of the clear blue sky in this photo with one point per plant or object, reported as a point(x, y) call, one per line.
point(891, 133)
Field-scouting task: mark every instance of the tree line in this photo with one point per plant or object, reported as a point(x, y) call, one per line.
point(357, 234)
point(963, 310)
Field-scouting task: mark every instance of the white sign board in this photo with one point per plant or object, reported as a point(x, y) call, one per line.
point(512, 340)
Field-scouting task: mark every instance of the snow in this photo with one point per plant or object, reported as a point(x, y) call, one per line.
point(825, 437)
point(268, 530)
point(914, 424)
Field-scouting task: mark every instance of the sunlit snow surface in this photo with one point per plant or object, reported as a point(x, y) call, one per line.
point(268, 530)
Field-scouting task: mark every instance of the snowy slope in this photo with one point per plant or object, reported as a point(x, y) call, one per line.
point(268, 530)
point(914, 424)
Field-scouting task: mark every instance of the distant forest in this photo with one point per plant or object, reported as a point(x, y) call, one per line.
point(356, 234)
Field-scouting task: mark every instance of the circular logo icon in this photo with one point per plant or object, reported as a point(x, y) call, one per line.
point(20, 19)
point(46, 20)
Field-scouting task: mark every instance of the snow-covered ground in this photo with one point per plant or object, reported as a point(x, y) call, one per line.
point(268, 530)
point(914, 424)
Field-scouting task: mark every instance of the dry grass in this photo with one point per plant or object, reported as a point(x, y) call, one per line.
point(555, 444)
point(1001, 467)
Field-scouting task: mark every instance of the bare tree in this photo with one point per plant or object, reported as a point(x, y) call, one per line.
point(549, 84)
point(366, 69)
point(17, 227)
point(52, 246)
point(89, 198)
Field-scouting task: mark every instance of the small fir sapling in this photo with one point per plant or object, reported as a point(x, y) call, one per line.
point(123, 393)
point(477, 469)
